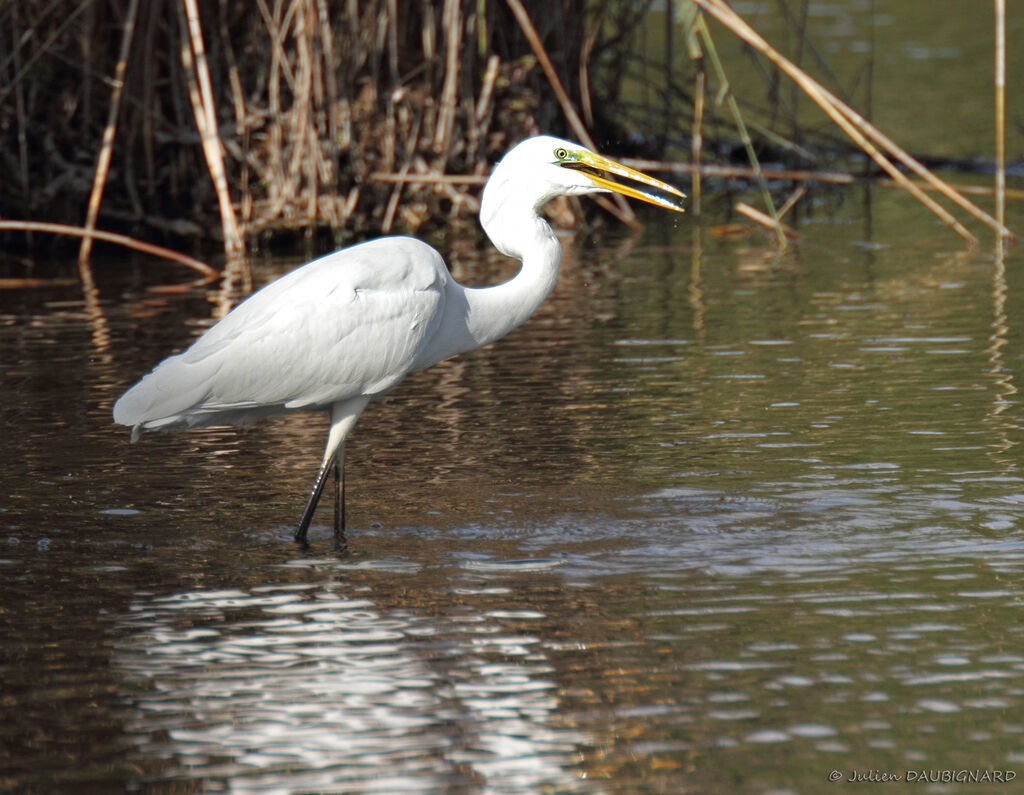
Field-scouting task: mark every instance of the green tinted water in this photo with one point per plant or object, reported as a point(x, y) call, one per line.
point(922, 73)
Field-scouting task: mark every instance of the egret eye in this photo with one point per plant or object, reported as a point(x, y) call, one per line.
point(561, 154)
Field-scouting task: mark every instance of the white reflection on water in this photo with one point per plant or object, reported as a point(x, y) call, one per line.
point(296, 688)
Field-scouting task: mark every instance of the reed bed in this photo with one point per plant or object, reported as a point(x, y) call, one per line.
point(253, 119)
point(280, 115)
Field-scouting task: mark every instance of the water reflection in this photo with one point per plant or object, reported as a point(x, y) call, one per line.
point(1003, 400)
point(299, 687)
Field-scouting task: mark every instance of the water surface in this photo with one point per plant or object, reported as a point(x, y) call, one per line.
point(718, 519)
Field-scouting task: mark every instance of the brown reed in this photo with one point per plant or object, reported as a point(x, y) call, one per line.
point(276, 113)
point(252, 119)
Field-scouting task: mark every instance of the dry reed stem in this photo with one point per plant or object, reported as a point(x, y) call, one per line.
point(430, 179)
point(234, 78)
point(794, 197)
point(392, 33)
point(446, 116)
point(1000, 111)
point(149, 94)
point(483, 105)
point(483, 113)
point(526, 25)
point(29, 282)
point(854, 125)
point(396, 194)
point(621, 208)
point(275, 177)
point(111, 237)
point(300, 163)
point(589, 39)
point(766, 220)
point(832, 106)
point(109, 131)
point(206, 120)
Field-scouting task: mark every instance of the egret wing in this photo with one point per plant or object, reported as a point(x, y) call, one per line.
point(347, 324)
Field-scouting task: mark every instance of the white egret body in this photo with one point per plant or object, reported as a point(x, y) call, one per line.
point(345, 328)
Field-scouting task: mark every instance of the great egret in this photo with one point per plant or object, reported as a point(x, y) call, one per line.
point(345, 328)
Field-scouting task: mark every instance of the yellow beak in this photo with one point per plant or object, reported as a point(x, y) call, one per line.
point(603, 171)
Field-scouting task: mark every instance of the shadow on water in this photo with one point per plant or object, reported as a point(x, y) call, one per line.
point(717, 519)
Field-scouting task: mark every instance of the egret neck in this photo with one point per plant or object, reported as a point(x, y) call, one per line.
point(509, 214)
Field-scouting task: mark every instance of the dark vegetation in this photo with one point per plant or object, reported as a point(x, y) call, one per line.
point(184, 120)
point(327, 113)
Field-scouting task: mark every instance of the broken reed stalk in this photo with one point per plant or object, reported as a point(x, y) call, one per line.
point(193, 57)
point(107, 145)
point(1000, 112)
point(620, 208)
point(794, 197)
point(766, 220)
point(792, 175)
point(112, 237)
point(855, 126)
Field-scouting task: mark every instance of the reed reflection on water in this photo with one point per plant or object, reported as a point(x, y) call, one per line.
point(719, 518)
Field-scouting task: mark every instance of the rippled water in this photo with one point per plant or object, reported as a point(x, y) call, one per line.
point(718, 519)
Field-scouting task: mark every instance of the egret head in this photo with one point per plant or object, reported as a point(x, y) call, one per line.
point(542, 168)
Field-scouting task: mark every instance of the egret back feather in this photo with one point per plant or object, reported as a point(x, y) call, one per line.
point(350, 323)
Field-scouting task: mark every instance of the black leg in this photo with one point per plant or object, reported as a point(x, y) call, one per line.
point(339, 505)
point(314, 498)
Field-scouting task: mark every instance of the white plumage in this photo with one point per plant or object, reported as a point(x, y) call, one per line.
point(335, 333)
point(346, 325)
